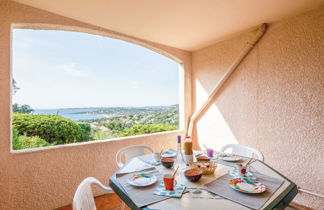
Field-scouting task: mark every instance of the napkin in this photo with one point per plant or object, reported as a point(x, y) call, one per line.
point(176, 193)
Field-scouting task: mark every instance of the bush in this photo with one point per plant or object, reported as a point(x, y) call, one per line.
point(100, 134)
point(114, 125)
point(146, 129)
point(52, 128)
point(25, 142)
point(15, 138)
point(86, 131)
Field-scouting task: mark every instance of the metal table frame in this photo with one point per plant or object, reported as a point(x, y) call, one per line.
point(280, 202)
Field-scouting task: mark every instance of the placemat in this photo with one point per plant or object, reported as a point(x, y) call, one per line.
point(150, 159)
point(255, 201)
point(141, 196)
point(134, 165)
point(175, 193)
point(228, 163)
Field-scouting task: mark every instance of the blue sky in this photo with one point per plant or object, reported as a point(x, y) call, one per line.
point(57, 69)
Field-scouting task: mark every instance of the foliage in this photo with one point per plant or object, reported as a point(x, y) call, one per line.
point(31, 131)
point(22, 108)
point(146, 129)
point(100, 135)
point(15, 138)
point(52, 128)
point(16, 107)
point(15, 87)
point(25, 142)
point(130, 116)
point(86, 130)
point(116, 126)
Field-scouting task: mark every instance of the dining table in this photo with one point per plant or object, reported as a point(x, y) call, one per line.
point(210, 192)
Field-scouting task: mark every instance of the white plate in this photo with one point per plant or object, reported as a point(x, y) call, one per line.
point(230, 158)
point(169, 153)
point(140, 181)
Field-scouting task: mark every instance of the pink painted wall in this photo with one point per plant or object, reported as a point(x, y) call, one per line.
point(273, 102)
point(48, 179)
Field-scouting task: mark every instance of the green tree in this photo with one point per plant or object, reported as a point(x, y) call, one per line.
point(16, 107)
point(86, 130)
point(115, 126)
point(22, 108)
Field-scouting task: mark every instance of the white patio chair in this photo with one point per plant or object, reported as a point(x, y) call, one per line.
point(239, 149)
point(83, 197)
point(130, 152)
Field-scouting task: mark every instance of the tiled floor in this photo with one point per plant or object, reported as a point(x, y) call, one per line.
point(113, 202)
point(104, 202)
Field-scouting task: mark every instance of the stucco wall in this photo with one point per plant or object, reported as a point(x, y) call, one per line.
point(47, 179)
point(274, 101)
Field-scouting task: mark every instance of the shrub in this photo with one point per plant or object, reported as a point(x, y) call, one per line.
point(25, 142)
point(86, 131)
point(52, 128)
point(15, 139)
point(114, 126)
point(98, 134)
point(146, 129)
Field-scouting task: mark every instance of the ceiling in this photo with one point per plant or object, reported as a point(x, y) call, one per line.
point(184, 24)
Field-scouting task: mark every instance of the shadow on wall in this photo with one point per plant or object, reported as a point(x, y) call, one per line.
point(212, 130)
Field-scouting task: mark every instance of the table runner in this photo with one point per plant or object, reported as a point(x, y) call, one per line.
point(141, 196)
point(255, 201)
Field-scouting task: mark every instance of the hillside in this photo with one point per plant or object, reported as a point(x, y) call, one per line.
point(130, 116)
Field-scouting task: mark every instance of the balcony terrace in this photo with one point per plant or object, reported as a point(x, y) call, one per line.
point(272, 100)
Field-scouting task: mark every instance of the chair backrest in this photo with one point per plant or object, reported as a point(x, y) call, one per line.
point(83, 197)
point(130, 152)
point(239, 149)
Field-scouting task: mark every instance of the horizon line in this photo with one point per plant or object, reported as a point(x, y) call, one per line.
point(107, 107)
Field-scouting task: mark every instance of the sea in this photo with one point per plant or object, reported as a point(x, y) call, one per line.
point(71, 113)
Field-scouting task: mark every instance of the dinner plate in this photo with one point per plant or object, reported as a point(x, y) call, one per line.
point(169, 153)
point(247, 186)
point(230, 157)
point(235, 174)
point(142, 179)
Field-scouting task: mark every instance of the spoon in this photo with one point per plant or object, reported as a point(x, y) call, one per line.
point(248, 162)
point(175, 172)
point(205, 147)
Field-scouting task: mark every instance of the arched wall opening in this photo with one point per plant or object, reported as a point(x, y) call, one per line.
point(99, 126)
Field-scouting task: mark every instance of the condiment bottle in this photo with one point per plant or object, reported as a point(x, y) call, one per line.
point(188, 153)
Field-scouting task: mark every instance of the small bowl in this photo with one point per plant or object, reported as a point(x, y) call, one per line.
point(203, 158)
point(205, 167)
point(193, 174)
point(167, 162)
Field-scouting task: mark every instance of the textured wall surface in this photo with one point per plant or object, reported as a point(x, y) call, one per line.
point(47, 179)
point(274, 101)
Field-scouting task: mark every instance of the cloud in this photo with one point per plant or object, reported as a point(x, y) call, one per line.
point(71, 69)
